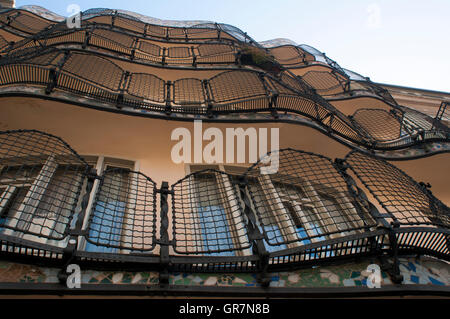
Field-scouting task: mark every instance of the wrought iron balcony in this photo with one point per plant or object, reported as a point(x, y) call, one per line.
point(207, 45)
point(61, 60)
point(229, 92)
point(313, 210)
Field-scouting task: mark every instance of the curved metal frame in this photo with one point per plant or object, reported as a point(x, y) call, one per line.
point(284, 91)
point(378, 238)
point(54, 69)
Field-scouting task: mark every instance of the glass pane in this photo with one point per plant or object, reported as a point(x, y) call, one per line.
point(213, 217)
point(108, 213)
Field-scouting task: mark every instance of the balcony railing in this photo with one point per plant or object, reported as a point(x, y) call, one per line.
point(133, 48)
point(233, 91)
point(28, 23)
point(209, 44)
point(56, 209)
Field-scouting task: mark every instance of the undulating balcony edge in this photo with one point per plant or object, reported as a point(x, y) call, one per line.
point(273, 95)
point(413, 221)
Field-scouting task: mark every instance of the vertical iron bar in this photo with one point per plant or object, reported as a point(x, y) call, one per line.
point(164, 235)
point(72, 246)
point(209, 112)
point(194, 57)
point(54, 73)
point(122, 85)
point(168, 99)
point(394, 269)
point(271, 95)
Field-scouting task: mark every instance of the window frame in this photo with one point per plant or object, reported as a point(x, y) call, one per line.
point(38, 186)
point(102, 163)
point(224, 183)
point(287, 227)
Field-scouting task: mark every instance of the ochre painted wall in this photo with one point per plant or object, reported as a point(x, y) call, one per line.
point(147, 140)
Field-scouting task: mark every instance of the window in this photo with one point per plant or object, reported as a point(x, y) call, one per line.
point(221, 226)
point(266, 216)
point(212, 217)
point(38, 196)
point(295, 211)
point(109, 214)
point(312, 209)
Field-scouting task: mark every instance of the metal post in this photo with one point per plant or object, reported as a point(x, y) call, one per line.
point(72, 246)
point(271, 96)
point(218, 30)
point(122, 85)
point(163, 60)
point(54, 74)
point(209, 111)
point(194, 58)
point(133, 48)
point(164, 235)
point(393, 269)
point(87, 38)
point(168, 100)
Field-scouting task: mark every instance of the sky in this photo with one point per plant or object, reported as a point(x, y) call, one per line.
point(400, 42)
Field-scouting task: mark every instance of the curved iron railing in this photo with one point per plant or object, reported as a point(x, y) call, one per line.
point(126, 35)
point(327, 83)
point(41, 179)
point(123, 216)
point(207, 215)
point(24, 21)
point(29, 23)
point(232, 91)
point(133, 48)
point(190, 96)
point(399, 126)
point(311, 210)
point(304, 196)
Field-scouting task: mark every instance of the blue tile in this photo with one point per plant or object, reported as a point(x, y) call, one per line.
point(412, 266)
point(355, 274)
point(435, 281)
point(415, 279)
point(275, 278)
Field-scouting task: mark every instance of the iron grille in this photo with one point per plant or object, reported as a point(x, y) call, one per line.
point(305, 201)
point(41, 179)
point(207, 215)
point(124, 213)
point(308, 210)
point(405, 201)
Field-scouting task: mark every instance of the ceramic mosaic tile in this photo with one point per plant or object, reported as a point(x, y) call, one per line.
point(423, 271)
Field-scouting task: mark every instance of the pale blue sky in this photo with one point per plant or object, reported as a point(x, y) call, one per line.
point(398, 42)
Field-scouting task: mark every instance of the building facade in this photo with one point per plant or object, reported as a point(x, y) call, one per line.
point(133, 161)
